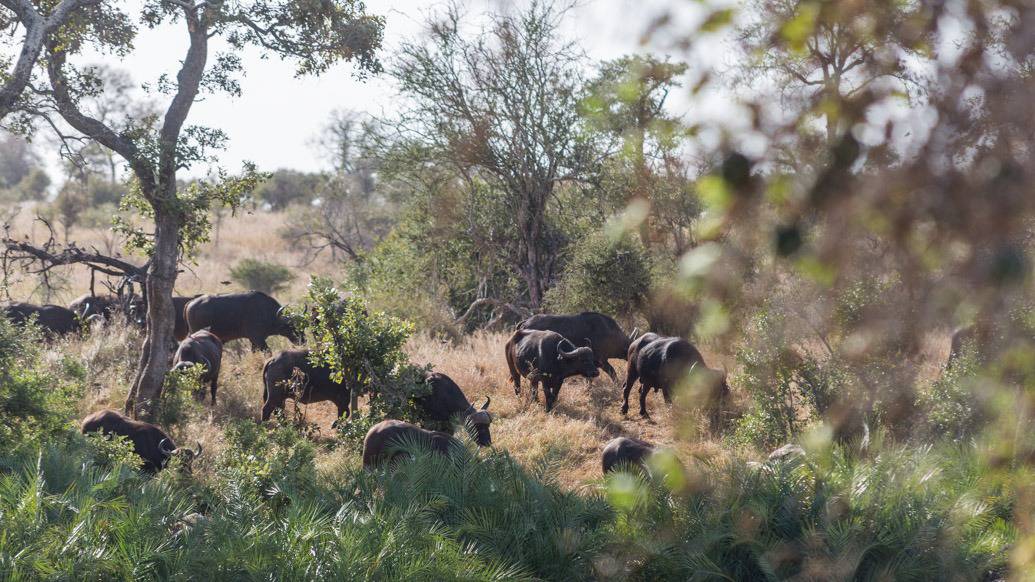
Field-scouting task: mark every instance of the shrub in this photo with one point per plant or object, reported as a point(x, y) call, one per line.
point(951, 404)
point(363, 349)
point(34, 402)
point(787, 389)
point(605, 274)
point(179, 395)
point(261, 275)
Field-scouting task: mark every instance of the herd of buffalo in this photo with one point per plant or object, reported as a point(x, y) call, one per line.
point(544, 349)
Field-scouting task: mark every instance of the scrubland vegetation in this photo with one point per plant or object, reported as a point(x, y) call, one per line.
point(852, 247)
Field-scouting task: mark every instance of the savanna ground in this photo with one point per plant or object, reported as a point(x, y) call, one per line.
point(570, 438)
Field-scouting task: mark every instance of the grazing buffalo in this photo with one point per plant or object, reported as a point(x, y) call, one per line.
point(387, 440)
point(662, 364)
point(202, 348)
point(253, 316)
point(53, 319)
point(625, 451)
point(151, 443)
point(317, 386)
point(587, 329)
point(447, 401)
point(547, 357)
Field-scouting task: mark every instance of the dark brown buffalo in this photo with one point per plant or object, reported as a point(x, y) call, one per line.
point(388, 439)
point(547, 357)
point(447, 402)
point(138, 314)
point(588, 329)
point(317, 386)
point(151, 443)
point(53, 319)
point(254, 316)
point(205, 349)
point(662, 364)
point(625, 451)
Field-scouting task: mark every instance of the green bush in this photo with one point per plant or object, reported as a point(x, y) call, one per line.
point(788, 390)
point(920, 514)
point(179, 395)
point(952, 407)
point(34, 402)
point(261, 275)
point(363, 349)
point(605, 274)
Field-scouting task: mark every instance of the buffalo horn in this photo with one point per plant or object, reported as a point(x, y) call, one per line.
point(487, 401)
point(162, 447)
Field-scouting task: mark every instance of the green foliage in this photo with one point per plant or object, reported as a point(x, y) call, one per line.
point(261, 275)
point(69, 512)
point(606, 274)
point(363, 349)
point(788, 390)
point(829, 513)
point(266, 462)
point(113, 451)
point(179, 395)
point(34, 402)
point(953, 409)
point(287, 187)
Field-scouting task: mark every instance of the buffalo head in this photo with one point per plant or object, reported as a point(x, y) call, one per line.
point(480, 420)
point(184, 453)
point(576, 361)
point(286, 327)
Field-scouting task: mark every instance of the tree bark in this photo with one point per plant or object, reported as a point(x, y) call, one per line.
point(158, 345)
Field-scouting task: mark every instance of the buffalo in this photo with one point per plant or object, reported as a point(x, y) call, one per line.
point(662, 364)
point(138, 314)
point(387, 440)
point(53, 319)
point(202, 348)
point(547, 357)
point(447, 401)
point(151, 443)
point(253, 316)
point(624, 451)
point(317, 386)
point(587, 329)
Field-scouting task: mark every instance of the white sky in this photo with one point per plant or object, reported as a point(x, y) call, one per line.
point(276, 120)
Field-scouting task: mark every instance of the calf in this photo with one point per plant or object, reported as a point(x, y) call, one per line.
point(53, 319)
point(447, 401)
point(665, 362)
point(205, 349)
point(150, 443)
point(625, 451)
point(317, 383)
point(387, 440)
point(588, 329)
point(547, 357)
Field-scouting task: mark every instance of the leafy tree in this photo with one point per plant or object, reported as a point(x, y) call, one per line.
point(261, 275)
point(287, 187)
point(363, 349)
point(315, 37)
point(497, 114)
point(606, 273)
point(626, 104)
point(38, 28)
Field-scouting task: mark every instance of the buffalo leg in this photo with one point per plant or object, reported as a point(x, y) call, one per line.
point(259, 344)
point(606, 367)
point(516, 379)
point(213, 389)
point(274, 400)
point(550, 392)
point(644, 390)
point(631, 375)
point(343, 410)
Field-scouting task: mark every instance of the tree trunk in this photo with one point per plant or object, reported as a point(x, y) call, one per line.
point(158, 345)
point(532, 233)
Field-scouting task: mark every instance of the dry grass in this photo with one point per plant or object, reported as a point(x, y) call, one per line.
point(570, 438)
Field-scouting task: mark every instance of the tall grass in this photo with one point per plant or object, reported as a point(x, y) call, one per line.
point(902, 514)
